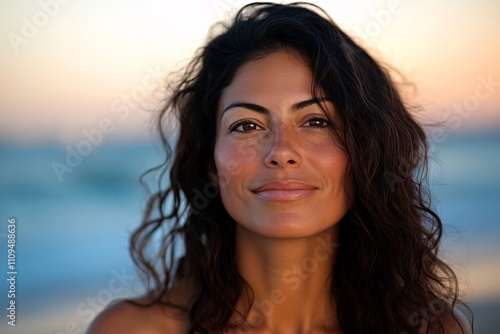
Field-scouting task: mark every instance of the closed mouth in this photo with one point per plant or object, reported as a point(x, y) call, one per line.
point(284, 190)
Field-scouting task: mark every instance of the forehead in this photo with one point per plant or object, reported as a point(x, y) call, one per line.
point(277, 76)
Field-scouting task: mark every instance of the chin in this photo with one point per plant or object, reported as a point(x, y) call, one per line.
point(285, 226)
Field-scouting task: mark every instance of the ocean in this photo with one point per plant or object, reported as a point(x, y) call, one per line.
point(72, 231)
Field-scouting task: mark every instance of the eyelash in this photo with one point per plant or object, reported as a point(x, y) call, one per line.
point(325, 121)
point(236, 125)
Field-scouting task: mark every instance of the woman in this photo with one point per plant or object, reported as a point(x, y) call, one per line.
point(298, 191)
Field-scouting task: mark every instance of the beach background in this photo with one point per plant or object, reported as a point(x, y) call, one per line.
point(80, 80)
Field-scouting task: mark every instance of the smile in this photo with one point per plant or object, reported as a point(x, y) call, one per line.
point(283, 191)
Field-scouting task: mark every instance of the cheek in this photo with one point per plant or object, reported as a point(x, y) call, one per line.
point(231, 171)
point(333, 167)
point(228, 164)
point(328, 158)
point(232, 160)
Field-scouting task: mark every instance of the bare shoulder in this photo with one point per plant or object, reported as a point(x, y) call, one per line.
point(125, 317)
point(455, 322)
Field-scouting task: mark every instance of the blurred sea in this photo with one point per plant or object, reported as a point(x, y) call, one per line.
point(72, 236)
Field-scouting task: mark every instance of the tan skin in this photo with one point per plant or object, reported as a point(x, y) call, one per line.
point(281, 178)
point(277, 164)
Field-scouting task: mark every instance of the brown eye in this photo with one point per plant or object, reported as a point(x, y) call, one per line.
point(248, 127)
point(317, 123)
point(244, 127)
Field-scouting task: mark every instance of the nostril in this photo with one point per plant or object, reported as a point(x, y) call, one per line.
point(281, 161)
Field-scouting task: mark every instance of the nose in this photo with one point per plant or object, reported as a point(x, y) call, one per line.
point(283, 150)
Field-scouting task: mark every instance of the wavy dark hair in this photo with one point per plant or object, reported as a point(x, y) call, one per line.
point(388, 277)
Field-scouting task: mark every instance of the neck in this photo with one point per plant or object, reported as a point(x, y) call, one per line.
point(290, 278)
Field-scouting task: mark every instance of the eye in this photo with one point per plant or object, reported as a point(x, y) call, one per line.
point(317, 122)
point(244, 126)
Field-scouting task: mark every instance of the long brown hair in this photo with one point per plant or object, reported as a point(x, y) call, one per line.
point(388, 277)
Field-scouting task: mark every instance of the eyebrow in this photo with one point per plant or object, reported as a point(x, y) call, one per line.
point(262, 110)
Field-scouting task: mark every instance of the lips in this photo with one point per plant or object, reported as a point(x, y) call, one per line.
point(284, 190)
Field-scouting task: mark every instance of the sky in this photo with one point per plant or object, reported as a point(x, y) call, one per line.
point(69, 67)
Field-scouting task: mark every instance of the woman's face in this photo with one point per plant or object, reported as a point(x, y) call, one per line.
point(280, 172)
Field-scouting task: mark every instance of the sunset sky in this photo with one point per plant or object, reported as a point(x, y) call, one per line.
point(66, 66)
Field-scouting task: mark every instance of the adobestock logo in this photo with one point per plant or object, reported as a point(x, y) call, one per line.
point(144, 96)
point(380, 19)
point(121, 282)
point(31, 26)
point(455, 115)
point(292, 278)
point(225, 7)
point(84, 147)
point(452, 119)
